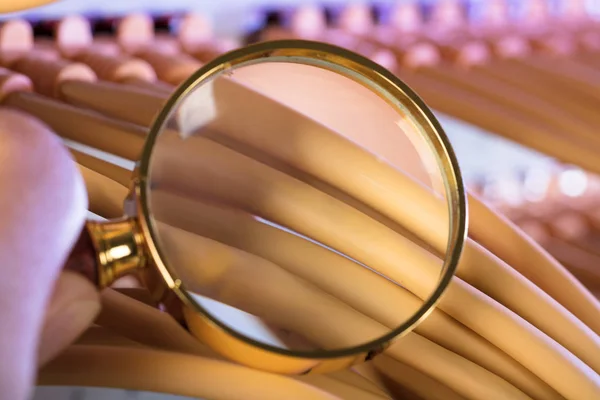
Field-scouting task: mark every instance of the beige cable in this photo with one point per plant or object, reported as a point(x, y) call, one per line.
point(313, 146)
point(135, 35)
point(84, 126)
point(99, 336)
point(486, 382)
point(160, 89)
point(489, 114)
point(172, 373)
point(341, 389)
point(255, 187)
point(263, 297)
point(140, 294)
point(138, 323)
point(554, 279)
point(76, 83)
point(573, 102)
point(255, 286)
point(74, 40)
point(355, 379)
point(105, 196)
point(308, 147)
point(521, 103)
point(111, 171)
point(492, 117)
point(564, 74)
point(394, 389)
point(146, 325)
point(158, 330)
point(172, 69)
point(396, 373)
point(420, 384)
point(128, 103)
point(324, 269)
point(531, 260)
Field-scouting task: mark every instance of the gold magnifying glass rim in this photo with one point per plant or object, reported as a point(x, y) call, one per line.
point(387, 86)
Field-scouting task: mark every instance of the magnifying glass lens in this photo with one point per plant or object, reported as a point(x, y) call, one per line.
point(296, 205)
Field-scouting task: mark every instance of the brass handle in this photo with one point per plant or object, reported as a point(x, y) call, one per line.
point(106, 251)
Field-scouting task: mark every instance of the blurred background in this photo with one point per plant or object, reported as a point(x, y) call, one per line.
point(515, 83)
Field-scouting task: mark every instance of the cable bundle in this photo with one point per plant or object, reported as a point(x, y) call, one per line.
point(514, 324)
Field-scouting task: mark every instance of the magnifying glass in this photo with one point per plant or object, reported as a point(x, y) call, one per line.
point(282, 208)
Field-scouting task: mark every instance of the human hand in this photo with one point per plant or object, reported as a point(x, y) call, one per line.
point(42, 210)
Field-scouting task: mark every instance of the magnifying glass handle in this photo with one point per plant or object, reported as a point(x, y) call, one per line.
point(107, 250)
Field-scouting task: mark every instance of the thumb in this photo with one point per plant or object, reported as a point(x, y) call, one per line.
point(42, 209)
point(73, 307)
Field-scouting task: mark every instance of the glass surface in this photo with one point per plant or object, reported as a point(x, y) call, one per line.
point(276, 190)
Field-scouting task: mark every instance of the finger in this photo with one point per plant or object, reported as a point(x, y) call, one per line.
point(73, 307)
point(42, 209)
